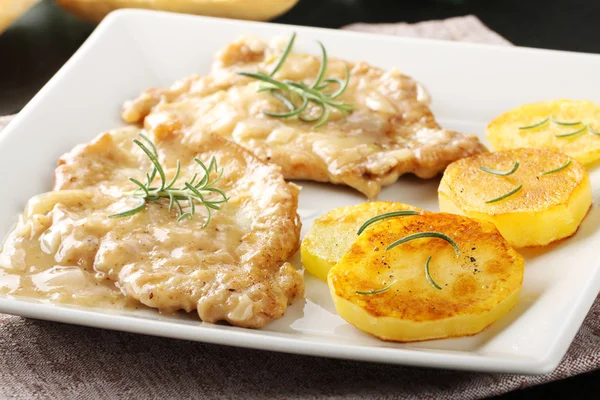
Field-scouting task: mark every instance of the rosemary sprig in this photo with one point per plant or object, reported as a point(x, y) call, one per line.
point(569, 134)
point(557, 169)
point(428, 275)
point(515, 190)
point(191, 192)
point(501, 173)
point(383, 289)
point(391, 214)
point(287, 91)
point(421, 235)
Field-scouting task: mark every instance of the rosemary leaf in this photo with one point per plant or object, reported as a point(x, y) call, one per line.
point(501, 173)
point(391, 214)
point(565, 123)
point(422, 235)
point(557, 169)
point(284, 56)
point(542, 122)
point(383, 289)
point(152, 155)
point(504, 196)
point(130, 212)
point(322, 69)
point(428, 275)
point(569, 134)
point(590, 130)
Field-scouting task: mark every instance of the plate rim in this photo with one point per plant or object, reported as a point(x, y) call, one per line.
point(254, 340)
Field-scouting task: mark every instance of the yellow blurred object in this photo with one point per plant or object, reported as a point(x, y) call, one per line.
point(11, 10)
point(257, 10)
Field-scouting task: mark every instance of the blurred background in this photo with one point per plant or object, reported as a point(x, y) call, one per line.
point(34, 46)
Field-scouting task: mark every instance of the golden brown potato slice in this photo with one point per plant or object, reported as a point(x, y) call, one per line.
point(551, 194)
point(572, 127)
point(332, 234)
point(392, 295)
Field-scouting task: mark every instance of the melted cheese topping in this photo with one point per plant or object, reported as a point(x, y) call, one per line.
point(66, 248)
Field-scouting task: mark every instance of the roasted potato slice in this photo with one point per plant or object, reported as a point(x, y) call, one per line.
point(477, 287)
point(258, 10)
point(548, 206)
point(332, 234)
point(569, 126)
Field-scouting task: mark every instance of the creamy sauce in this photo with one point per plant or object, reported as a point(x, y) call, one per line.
point(41, 270)
point(66, 285)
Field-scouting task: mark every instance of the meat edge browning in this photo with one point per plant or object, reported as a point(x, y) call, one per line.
point(439, 156)
point(287, 281)
point(370, 184)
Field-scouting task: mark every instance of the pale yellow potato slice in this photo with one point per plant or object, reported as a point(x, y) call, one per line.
point(332, 234)
point(569, 126)
point(466, 293)
point(548, 207)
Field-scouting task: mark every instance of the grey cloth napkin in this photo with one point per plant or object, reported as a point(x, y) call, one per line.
point(460, 29)
point(51, 360)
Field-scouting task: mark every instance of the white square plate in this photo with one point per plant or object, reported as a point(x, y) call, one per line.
point(470, 84)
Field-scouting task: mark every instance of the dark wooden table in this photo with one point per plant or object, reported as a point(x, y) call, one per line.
point(35, 47)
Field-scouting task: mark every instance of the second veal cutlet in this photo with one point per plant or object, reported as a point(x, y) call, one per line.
point(388, 131)
point(72, 246)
